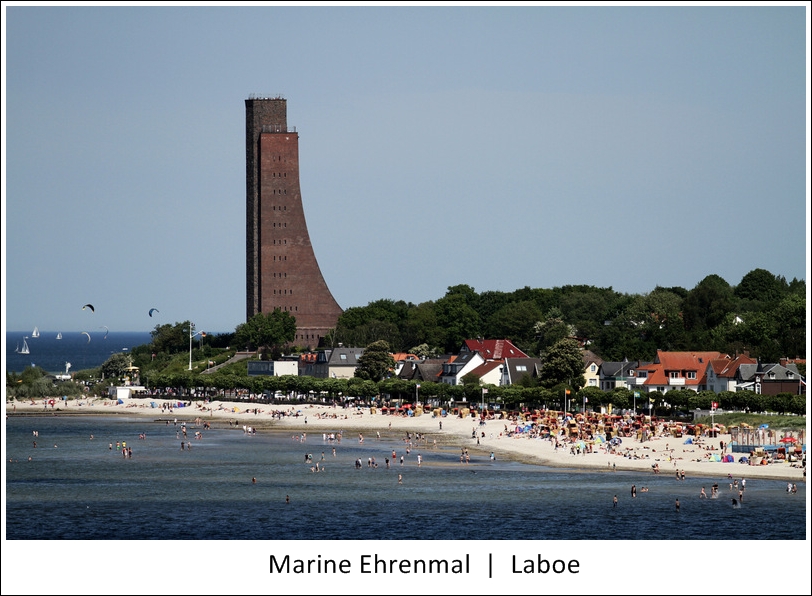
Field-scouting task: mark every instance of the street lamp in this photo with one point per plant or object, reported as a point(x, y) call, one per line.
point(192, 335)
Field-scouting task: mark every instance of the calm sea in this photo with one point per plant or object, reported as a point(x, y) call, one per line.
point(77, 488)
point(51, 354)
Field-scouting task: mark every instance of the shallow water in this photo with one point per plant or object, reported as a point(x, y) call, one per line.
point(82, 490)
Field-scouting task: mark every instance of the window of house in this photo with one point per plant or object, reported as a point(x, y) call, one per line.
point(674, 374)
point(521, 368)
point(691, 374)
point(593, 368)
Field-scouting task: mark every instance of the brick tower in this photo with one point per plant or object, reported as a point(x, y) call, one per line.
point(282, 271)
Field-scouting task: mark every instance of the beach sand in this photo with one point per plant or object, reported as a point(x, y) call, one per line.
point(668, 452)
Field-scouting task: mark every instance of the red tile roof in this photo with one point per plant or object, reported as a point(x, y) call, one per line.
point(680, 363)
point(494, 349)
point(726, 367)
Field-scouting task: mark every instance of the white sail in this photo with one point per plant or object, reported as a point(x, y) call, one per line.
point(59, 335)
point(24, 349)
point(35, 333)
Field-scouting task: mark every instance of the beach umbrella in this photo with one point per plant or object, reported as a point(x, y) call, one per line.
point(786, 440)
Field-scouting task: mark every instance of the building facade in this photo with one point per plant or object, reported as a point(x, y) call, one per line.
point(281, 267)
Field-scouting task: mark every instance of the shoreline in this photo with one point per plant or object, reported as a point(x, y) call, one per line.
point(670, 454)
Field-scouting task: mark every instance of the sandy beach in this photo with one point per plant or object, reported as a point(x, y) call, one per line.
point(668, 453)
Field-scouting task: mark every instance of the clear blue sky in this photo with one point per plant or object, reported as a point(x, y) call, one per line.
point(499, 147)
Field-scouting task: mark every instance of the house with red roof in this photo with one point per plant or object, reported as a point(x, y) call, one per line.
point(722, 372)
point(489, 354)
point(674, 370)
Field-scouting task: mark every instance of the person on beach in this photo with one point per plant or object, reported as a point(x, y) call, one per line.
point(287, 499)
point(702, 494)
point(678, 504)
point(400, 478)
point(614, 501)
point(634, 490)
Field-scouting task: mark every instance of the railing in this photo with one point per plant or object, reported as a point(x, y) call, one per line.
point(276, 128)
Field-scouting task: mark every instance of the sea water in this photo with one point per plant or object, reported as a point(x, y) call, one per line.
point(78, 488)
point(83, 352)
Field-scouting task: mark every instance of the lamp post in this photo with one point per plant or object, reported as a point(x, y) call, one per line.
point(192, 335)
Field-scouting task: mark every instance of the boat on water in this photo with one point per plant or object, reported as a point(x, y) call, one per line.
point(35, 333)
point(59, 335)
point(24, 349)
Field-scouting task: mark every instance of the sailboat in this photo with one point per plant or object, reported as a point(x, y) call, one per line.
point(59, 335)
point(24, 349)
point(35, 333)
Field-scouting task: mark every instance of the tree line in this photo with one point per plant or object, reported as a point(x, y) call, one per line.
point(763, 315)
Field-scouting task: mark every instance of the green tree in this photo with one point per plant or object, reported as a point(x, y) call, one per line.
point(563, 364)
point(552, 329)
point(515, 322)
point(116, 366)
point(171, 339)
point(790, 320)
point(421, 327)
point(760, 287)
point(458, 320)
point(707, 305)
point(375, 363)
point(265, 330)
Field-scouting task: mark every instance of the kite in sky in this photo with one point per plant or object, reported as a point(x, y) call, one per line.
point(152, 310)
point(90, 306)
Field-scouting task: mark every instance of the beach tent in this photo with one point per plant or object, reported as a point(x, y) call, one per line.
point(716, 457)
point(729, 458)
point(688, 441)
point(121, 401)
point(152, 404)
